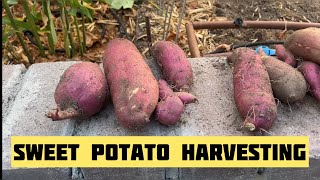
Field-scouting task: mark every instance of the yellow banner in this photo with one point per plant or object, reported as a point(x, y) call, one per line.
point(159, 151)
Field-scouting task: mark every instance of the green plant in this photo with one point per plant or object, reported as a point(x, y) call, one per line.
point(118, 4)
point(18, 33)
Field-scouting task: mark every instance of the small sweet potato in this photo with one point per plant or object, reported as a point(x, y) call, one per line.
point(81, 92)
point(252, 90)
point(284, 55)
point(185, 97)
point(134, 89)
point(305, 43)
point(311, 72)
point(175, 66)
point(288, 84)
point(170, 107)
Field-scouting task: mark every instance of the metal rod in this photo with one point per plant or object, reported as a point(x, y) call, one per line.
point(192, 41)
point(171, 9)
point(180, 19)
point(254, 25)
point(218, 54)
point(193, 46)
point(165, 19)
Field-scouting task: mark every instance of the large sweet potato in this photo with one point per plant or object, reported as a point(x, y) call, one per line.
point(134, 90)
point(311, 72)
point(81, 92)
point(175, 66)
point(305, 43)
point(252, 90)
point(288, 84)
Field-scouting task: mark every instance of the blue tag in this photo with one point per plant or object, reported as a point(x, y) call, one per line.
point(267, 50)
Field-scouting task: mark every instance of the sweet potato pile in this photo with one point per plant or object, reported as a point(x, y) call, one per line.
point(258, 79)
point(135, 93)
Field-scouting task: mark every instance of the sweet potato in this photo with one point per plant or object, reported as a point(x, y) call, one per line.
point(284, 55)
point(170, 107)
point(252, 90)
point(185, 97)
point(175, 66)
point(288, 84)
point(305, 43)
point(134, 90)
point(81, 92)
point(311, 72)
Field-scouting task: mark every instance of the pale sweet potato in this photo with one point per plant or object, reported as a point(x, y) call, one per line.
point(252, 90)
point(305, 43)
point(175, 66)
point(134, 89)
point(288, 84)
point(311, 72)
point(81, 92)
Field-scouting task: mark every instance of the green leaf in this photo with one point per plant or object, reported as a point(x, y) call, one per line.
point(76, 5)
point(6, 33)
point(118, 4)
point(20, 24)
point(12, 2)
point(51, 25)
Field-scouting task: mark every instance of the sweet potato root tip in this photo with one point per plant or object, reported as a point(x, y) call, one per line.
point(185, 97)
point(58, 115)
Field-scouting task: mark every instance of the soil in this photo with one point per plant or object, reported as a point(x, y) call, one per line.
point(276, 10)
point(213, 10)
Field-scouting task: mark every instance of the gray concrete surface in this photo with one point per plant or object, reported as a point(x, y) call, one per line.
point(11, 83)
point(27, 114)
point(213, 114)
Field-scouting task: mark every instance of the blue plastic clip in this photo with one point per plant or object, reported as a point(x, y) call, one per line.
point(267, 50)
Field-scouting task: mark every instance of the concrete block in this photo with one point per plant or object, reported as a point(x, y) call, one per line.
point(27, 115)
point(37, 174)
point(123, 173)
point(215, 112)
point(218, 173)
point(11, 82)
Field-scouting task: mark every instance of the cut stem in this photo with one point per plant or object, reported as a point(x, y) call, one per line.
point(64, 28)
point(83, 32)
point(78, 35)
point(18, 33)
point(46, 6)
point(33, 27)
point(73, 50)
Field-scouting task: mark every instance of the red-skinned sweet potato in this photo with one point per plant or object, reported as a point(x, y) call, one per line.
point(170, 107)
point(252, 90)
point(284, 55)
point(288, 84)
point(134, 90)
point(305, 43)
point(185, 97)
point(311, 72)
point(175, 66)
point(81, 92)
